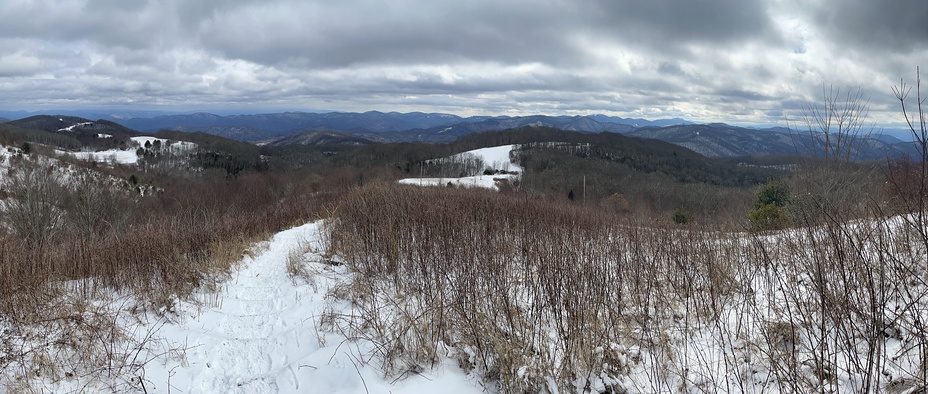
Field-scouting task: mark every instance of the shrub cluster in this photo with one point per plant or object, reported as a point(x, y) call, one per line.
point(70, 223)
point(770, 212)
point(531, 294)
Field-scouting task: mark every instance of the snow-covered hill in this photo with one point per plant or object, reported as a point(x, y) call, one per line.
point(495, 159)
point(130, 154)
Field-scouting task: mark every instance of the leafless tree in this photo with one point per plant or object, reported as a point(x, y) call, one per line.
point(32, 207)
point(914, 178)
point(838, 126)
point(909, 179)
point(96, 205)
point(829, 180)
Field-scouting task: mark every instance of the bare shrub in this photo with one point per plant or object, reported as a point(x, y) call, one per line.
point(531, 295)
point(909, 177)
point(95, 205)
point(32, 207)
point(828, 182)
point(837, 126)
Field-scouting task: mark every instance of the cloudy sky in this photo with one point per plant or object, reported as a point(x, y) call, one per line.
point(705, 60)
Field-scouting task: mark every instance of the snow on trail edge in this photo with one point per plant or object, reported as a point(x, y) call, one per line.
point(260, 335)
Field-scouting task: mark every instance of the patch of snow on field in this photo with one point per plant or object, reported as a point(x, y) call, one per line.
point(129, 156)
point(174, 146)
point(484, 181)
point(5, 155)
point(71, 127)
point(497, 157)
point(261, 334)
point(109, 156)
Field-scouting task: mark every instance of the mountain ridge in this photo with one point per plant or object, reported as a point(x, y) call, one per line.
point(722, 140)
point(374, 125)
point(352, 129)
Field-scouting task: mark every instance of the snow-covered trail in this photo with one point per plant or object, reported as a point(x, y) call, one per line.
point(259, 335)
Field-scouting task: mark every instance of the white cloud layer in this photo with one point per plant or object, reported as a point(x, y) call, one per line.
point(712, 60)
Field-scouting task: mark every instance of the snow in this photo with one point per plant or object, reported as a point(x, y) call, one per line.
point(262, 334)
point(100, 135)
point(6, 153)
point(111, 156)
point(484, 181)
point(176, 145)
point(143, 139)
point(71, 127)
point(497, 157)
point(129, 156)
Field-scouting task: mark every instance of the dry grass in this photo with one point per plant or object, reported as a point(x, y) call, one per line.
point(529, 294)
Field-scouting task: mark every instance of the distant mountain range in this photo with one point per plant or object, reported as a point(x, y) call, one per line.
point(351, 129)
point(374, 125)
point(321, 137)
point(449, 133)
point(722, 140)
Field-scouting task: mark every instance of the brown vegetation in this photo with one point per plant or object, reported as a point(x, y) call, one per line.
point(77, 236)
point(529, 293)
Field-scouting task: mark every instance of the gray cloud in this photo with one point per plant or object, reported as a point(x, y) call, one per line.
point(349, 33)
point(663, 25)
point(710, 60)
point(898, 26)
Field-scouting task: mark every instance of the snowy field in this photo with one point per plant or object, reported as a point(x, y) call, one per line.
point(129, 156)
point(5, 155)
point(483, 181)
point(495, 158)
point(174, 146)
point(107, 156)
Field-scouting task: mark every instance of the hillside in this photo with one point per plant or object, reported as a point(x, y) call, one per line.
point(320, 137)
point(73, 125)
point(638, 122)
point(721, 140)
point(13, 135)
point(233, 157)
point(264, 126)
point(373, 125)
point(652, 176)
point(451, 133)
point(100, 134)
point(647, 175)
